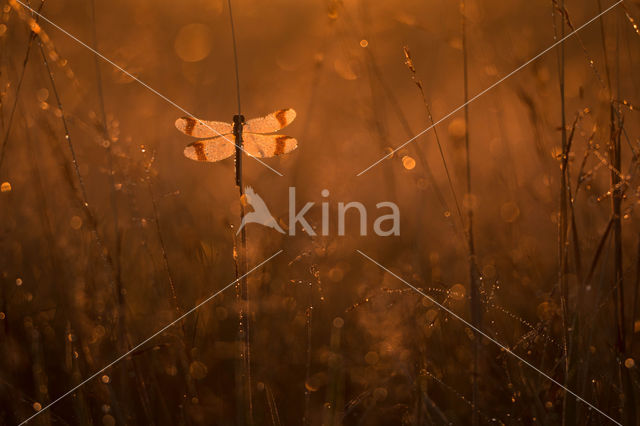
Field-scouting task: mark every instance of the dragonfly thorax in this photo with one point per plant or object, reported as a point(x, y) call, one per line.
point(238, 122)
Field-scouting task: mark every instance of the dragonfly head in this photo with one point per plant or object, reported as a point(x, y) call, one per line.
point(238, 119)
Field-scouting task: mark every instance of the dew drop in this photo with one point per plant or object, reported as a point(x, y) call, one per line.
point(42, 94)
point(76, 222)
point(457, 292)
point(338, 322)
point(198, 370)
point(408, 162)
point(389, 151)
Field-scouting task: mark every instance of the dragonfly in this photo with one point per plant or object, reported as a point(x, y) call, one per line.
point(256, 137)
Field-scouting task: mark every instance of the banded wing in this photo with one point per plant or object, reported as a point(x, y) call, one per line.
point(268, 145)
point(270, 123)
point(201, 128)
point(211, 150)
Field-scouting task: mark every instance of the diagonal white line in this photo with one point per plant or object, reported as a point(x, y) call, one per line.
point(162, 330)
point(127, 73)
point(490, 87)
point(500, 345)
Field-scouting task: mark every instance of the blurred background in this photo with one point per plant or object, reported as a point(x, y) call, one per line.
point(108, 233)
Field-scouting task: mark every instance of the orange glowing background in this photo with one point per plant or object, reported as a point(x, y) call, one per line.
point(518, 214)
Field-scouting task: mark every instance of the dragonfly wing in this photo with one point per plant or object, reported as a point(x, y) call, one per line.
point(201, 128)
point(270, 123)
point(211, 150)
point(268, 145)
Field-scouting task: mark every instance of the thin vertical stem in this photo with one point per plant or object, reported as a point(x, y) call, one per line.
point(5, 140)
point(245, 330)
point(617, 125)
point(306, 419)
point(568, 404)
point(473, 273)
point(235, 57)
point(107, 139)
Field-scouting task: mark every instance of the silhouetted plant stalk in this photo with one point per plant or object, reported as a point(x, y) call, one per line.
point(615, 157)
point(5, 140)
point(104, 127)
point(474, 282)
point(173, 297)
point(245, 402)
point(568, 403)
point(410, 64)
point(306, 417)
point(333, 409)
point(636, 295)
point(273, 407)
point(184, 350)
point(378, 113)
